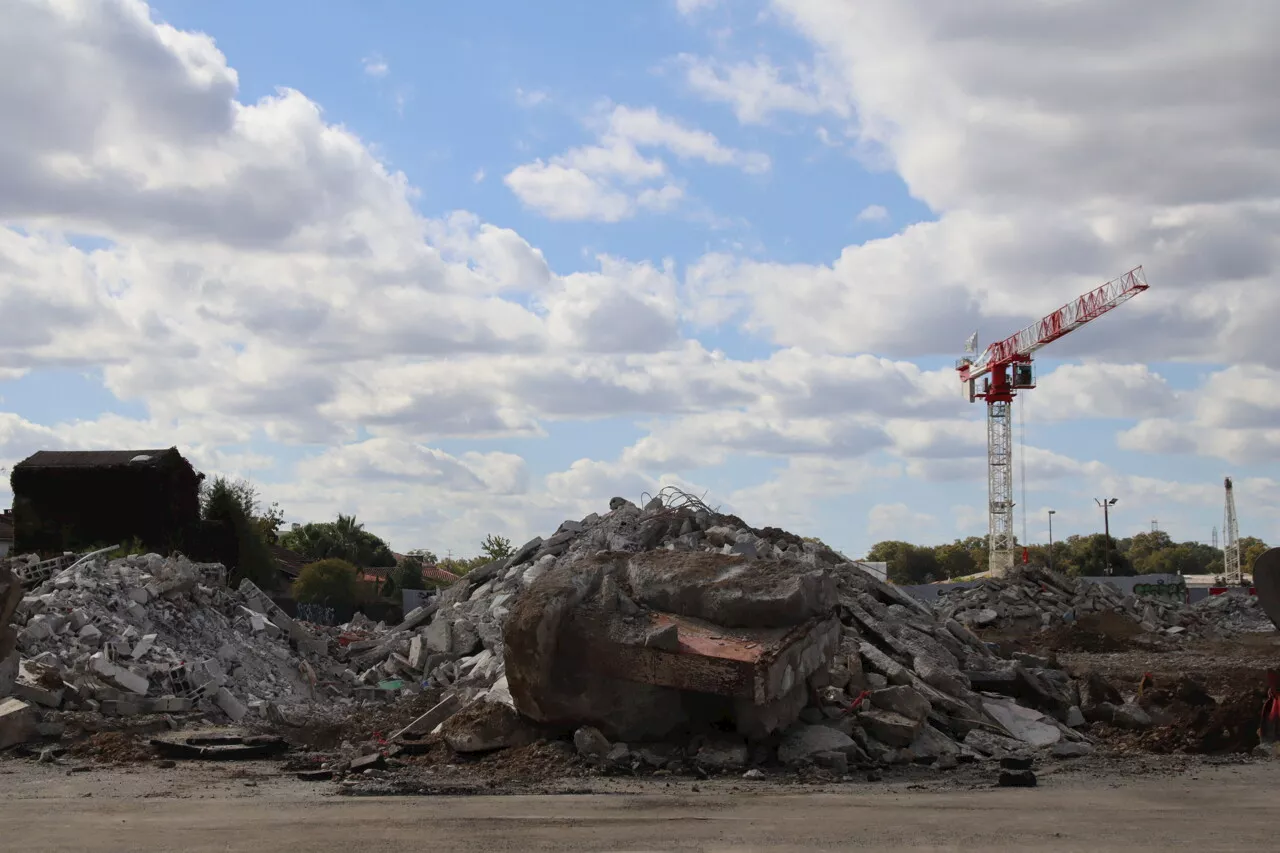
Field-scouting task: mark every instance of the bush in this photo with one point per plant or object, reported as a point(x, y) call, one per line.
point(329, 582)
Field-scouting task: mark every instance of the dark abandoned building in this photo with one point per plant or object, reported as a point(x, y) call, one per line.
point(73, 500)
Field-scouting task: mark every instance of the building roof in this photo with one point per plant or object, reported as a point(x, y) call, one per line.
point(93, 458)
point(289, 562)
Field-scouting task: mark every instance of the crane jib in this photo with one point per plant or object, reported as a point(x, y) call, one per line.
point(1066, 319)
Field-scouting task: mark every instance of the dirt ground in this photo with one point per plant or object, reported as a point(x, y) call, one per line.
point(1191, 804)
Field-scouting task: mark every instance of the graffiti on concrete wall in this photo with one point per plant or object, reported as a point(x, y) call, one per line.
point(317, 614)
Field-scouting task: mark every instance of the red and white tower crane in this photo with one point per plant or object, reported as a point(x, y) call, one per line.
point(1004, 369)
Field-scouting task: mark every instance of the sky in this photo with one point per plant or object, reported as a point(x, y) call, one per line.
point(471, 268)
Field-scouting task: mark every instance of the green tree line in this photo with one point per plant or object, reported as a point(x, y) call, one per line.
point(1145, 553)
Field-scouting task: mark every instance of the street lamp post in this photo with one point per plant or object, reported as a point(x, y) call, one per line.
point(1051, 514)
point(1106, 504)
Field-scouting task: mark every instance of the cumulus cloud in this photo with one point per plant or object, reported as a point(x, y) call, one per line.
point(758, 89)
point(873, 213)
point(612, 180)
point(1235, 416)
point(1095, 155)
point(898, 521)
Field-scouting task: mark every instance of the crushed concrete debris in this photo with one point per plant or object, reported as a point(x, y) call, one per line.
point(1033, 598)
point(643, 625)
point(149, 634)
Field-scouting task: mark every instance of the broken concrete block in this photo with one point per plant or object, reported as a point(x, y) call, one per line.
point(27, 687)
point(39, 627)
point(890, 727)
point(138, 595)
point(8, 674)
point(1070, 749)
point(144, 645)
point(722, 754)
point(118, 676)
point(1130, 716)
point(800, 743)
point(417, 653)
point(17, 722)
point(485, 726)
point(590, 743)
point(902, 700)
point(230, 705)
point(438, 636)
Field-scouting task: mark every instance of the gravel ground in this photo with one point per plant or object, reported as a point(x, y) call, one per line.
point(1157, 804)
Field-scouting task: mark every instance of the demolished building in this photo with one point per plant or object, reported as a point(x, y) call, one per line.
point(69, 500)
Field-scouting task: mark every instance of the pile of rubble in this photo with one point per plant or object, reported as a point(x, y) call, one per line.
point(671, 628)
point(149, 634)
point(1237, 613)
point(1033, 598)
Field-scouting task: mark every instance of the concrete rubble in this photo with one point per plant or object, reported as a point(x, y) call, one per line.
point(654, 628)
point(149, 634)
point(1034, 598)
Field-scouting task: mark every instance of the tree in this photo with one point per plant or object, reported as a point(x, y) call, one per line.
point(907, 563)
point(1251, 548)
point(330, 582)
point(344, 539)
point(221, 492)
point(409, 574)
point(231, 505)
point(496, 547)
point(955, 560)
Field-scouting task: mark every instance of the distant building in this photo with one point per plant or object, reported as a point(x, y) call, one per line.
point(71, 500)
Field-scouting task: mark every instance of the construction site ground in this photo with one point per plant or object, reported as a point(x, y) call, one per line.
point(1155, 803)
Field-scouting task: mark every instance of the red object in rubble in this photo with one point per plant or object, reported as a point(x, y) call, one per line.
point(1269, 729)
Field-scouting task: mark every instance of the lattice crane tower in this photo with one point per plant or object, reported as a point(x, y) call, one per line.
point(1005, 369)
point(1231, 538)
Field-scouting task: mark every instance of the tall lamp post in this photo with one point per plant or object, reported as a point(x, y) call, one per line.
point(1051, 514)
point(1106, 504)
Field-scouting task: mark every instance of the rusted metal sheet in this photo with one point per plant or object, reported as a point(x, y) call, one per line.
point(746, 663)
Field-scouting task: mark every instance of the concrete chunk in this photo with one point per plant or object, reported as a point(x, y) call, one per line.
point(117, 676)
point(230, 705)
point(17, 722)
point(144, 645)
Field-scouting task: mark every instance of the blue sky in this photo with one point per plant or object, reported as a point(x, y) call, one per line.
point(526, 257)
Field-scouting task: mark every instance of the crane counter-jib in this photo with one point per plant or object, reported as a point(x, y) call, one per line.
point(1066, 319)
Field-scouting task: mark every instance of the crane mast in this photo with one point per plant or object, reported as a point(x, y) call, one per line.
point(1005, 368)
point(1231, 538)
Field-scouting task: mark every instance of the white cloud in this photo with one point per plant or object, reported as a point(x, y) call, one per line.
point(530, 98)
point(1092, 156)
point(478, 176)
point(689, 8)
point(612, 180)
point(898, 521)
point(873, 213)
point(1080, 391)
point(1235, 416)
point(375, 66)
point(756, 90)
